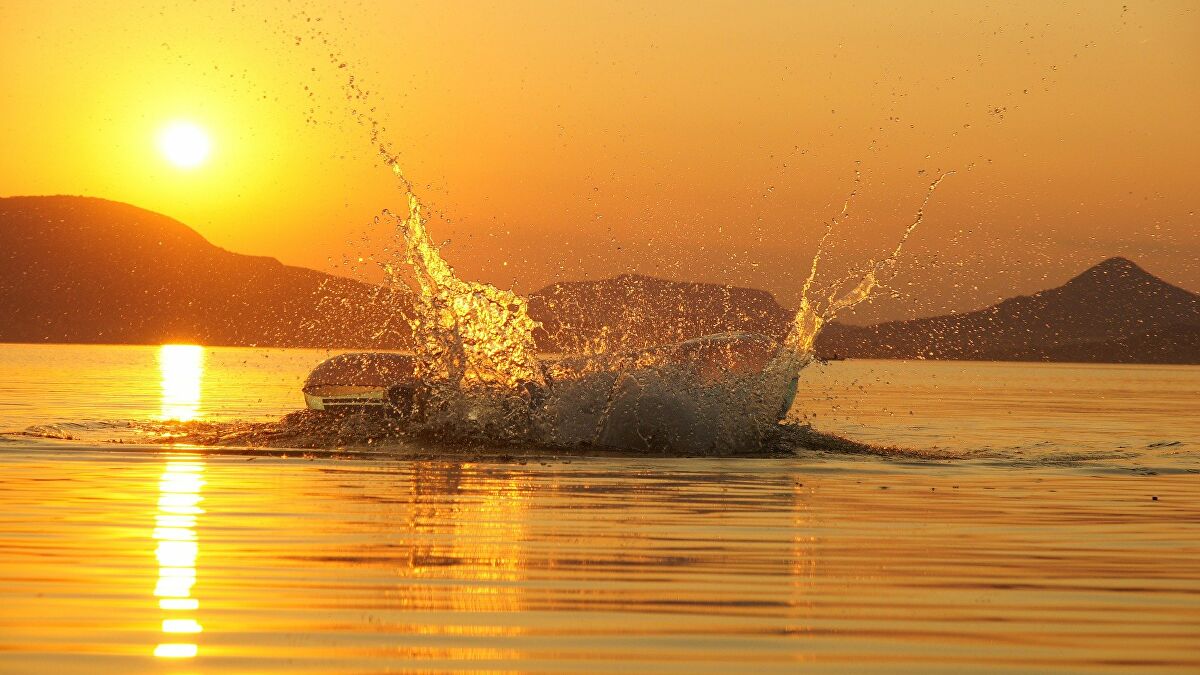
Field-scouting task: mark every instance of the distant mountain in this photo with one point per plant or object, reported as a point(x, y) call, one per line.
point(1113, 312)
point(79, 269)
point(631, 311)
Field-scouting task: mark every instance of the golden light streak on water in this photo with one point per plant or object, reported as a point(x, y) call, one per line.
point(177, 550)
point(179, 603)
point(491, 533)
point(479, 521)
point(182, 370)
point(176, 650)
point(180, 626)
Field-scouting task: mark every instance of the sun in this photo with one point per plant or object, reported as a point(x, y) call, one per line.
point(184, 144)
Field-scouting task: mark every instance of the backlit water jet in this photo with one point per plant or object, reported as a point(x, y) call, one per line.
point(476, 375)
point(720, 394)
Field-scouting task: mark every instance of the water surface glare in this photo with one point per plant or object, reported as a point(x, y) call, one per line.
point(594, 564)
point(1060, 531)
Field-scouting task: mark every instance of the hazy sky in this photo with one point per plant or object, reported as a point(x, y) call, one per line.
point(690, 140)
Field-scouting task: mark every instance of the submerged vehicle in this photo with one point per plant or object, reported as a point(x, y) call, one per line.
point(712, 394)
point(359, 380)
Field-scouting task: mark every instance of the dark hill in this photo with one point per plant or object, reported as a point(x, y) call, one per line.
point(1113, 312)
point(632, 311)
point(79, 269)
point(76, 269)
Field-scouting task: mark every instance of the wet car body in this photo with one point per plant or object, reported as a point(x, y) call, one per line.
point(698, 395)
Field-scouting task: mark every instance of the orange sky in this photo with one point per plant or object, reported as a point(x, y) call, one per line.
point(706, 141)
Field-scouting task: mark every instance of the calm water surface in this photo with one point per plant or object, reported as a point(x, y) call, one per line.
point(1035, 544)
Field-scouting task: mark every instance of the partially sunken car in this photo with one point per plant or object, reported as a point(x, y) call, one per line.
point(360, 380)
point(703, 395)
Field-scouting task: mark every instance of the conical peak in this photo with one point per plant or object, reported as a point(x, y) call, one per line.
point(1113, 271)
point(1117, 263)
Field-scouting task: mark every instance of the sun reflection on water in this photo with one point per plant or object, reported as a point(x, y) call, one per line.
point(177, 550)
point(182, 368)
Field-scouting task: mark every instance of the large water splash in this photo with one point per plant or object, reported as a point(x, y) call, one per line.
point(468, 333)
point(475, 349)
point(477, 363)
point(714, 395)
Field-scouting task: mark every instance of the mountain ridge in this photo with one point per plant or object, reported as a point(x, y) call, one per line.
point(85, 269)
point(632, 311)
point(1102, 306)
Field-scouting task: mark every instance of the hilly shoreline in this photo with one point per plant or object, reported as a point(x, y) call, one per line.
point(1114, 312)
point(88, 270)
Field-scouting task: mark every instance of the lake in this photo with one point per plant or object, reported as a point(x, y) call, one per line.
point(1050, 521)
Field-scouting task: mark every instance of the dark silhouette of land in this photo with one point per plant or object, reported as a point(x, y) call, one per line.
point(78, 269)
point(1114, 312)
point(632, 311)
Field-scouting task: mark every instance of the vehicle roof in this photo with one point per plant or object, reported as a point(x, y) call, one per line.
point(364, 369)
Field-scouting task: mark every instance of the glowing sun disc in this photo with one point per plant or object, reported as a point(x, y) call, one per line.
point(184, 144)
